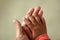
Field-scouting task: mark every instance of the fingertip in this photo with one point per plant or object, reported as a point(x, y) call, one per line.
point(30, 10)
point(38, 8)
point(14, 20)
point(36, 11)
point(40, 13)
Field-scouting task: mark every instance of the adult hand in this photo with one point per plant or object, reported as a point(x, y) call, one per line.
point(20, 33)
point(35, 22)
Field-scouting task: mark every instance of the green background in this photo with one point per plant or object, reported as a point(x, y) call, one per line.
point(16, 9)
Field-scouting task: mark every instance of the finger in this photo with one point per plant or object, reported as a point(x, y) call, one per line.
point(28, 23)
point(44, 24)
point(35, 14)
point(28, 32)
point(29, 12)
point(19, 31)
point(40, 13)
point(43, 20)
point(38, 19)
point(32, 19)
point(37, 9)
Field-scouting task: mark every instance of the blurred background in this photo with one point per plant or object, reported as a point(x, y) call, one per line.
point(16, 9)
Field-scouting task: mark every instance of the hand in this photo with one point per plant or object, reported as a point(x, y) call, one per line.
point(20, 33)
point(35, 22)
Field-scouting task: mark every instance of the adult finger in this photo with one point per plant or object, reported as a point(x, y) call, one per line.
point(44, 24)
point(43, 21)
point(40, 13)
point(29, 13)
point(36, 11)
point(33, 20)
point(28, 23)
point(28, 32)
point(19, 31)
point(35, 14)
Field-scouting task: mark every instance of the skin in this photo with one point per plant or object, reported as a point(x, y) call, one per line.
point(20, 34)
point(34, 24)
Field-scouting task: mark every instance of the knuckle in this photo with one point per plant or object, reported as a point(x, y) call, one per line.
point(29, 23)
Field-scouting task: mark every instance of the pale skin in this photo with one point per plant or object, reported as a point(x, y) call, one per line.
point(34, 24)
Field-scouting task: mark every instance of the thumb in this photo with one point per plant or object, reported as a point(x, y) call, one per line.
point(19, 31)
